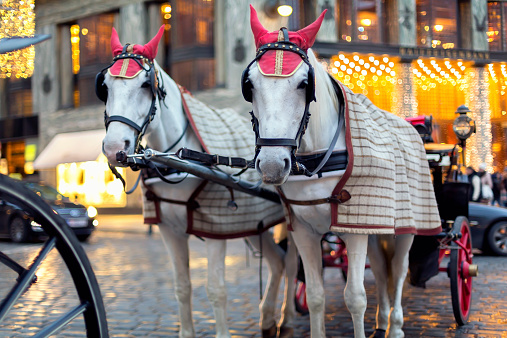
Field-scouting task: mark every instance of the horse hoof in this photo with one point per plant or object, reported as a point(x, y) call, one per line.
point(285, 332)
point(269, 333)
point(378, 333)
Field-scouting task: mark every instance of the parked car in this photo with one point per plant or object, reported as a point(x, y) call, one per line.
point(488, 228)
point(18, 225)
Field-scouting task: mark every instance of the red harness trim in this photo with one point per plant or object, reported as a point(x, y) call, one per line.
point(183, 90)
point(348, 142)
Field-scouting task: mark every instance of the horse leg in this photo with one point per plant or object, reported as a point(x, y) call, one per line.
point(309, 248)
point(379, 268)
point(274, 258)
point(177, 245)
point(399, 269)
point(355, 294)
point(285, 325)
point(215, 287)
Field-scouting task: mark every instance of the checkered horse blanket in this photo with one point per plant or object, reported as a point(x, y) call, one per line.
point(387, 176)
point(224, 132)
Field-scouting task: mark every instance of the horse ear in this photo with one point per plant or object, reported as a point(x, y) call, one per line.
point(151, 48)
point(257, 29)
point(309, 33)
point(116, 46)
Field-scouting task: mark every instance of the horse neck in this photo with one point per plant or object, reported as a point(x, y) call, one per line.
point(173, 121)
point(324, 114)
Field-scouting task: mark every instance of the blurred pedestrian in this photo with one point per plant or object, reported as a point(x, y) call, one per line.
point(503, 191)
point(475, 181)
point(486, 184)
point(497, 187)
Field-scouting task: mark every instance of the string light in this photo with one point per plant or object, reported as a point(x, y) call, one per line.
point(373, 76)
point(17, 19)
point(477, 99)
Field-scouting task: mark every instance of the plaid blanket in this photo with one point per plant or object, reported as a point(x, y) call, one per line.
point(224, 132)
point(388, 175)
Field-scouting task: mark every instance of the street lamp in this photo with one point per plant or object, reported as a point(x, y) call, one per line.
point(463, 126)
point(274, 7)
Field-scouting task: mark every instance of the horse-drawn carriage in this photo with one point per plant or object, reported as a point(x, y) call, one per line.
point(159, 111)
point(428, 253)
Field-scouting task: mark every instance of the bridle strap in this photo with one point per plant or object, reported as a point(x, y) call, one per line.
point(273, 142)
point(119, 118)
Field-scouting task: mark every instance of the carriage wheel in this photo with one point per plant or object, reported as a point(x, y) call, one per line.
point(89, 305)
point(461, 271)
point(300, 298)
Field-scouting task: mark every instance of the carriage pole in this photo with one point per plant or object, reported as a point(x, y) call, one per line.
point(208, 173)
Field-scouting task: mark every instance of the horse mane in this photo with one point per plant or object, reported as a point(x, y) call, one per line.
point(323, 86)
point(327, 101)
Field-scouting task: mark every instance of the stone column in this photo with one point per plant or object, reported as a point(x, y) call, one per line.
point(474, 24)
point(66, 74)
point(327, 32)
point(238, 41)
point(407, 15)
point(479, 25)
point(46, 75)
point(477, 99)
point(220, 43)
point(133, 24)
point(154, 23)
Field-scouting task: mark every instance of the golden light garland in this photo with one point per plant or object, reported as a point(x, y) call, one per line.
point(371, 75)
point(477, 99)
point(17, 19)
point(406, 104)
point(440, 86)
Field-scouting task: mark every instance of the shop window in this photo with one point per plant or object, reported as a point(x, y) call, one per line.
point(497, 29)
point(14, 153)
point(18, 97)
point(359, 21)
point(91, 50)
point(437, 24)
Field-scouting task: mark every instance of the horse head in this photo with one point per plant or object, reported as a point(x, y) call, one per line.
point(129, 87)
point(280, 83)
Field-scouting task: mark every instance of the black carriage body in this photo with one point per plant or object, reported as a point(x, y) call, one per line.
point(452, 198)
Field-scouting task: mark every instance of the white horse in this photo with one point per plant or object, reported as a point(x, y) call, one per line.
point(280, 88)
point(130, 98)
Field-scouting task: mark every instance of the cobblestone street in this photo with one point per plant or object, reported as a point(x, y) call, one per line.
point(135, 277)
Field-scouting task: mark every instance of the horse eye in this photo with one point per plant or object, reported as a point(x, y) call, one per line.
point(146, 84)
point(303, 84)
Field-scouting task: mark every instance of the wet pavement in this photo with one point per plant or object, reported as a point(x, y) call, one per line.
point(135, 277)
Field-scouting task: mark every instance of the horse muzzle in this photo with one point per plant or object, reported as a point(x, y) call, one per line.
point(273, 164)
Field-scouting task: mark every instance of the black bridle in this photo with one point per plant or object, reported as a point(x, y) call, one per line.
point(319, 162)
point(246, 87)
point(157, 90)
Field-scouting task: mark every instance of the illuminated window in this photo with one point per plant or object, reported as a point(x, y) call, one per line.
point(193, 40)
point(437, 23)
point(497, 29)
point(367, 21)
point(91, 50)
point(359, 20)
point(91, 183)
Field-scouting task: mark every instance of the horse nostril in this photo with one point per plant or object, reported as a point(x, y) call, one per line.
point(257, 163)
point(287, 164)
point(127, 144)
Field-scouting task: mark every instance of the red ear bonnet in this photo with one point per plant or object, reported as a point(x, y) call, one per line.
point(278, 62)
point(128, 68)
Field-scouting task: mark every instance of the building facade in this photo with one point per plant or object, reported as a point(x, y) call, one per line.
point(410, 57)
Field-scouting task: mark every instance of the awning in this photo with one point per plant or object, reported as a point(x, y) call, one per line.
point(71, 147)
